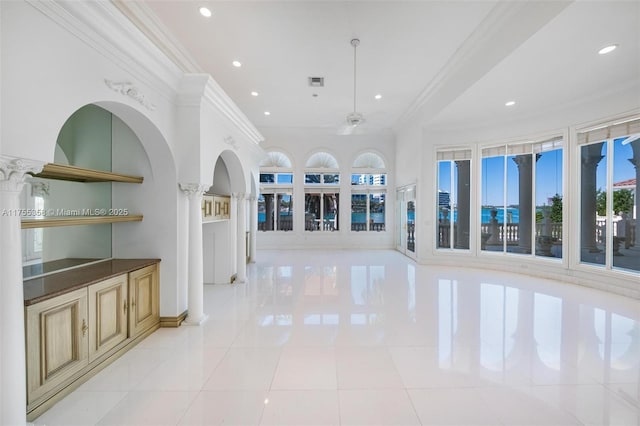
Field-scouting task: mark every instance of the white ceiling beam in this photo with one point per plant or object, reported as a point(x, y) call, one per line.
point(506, 27)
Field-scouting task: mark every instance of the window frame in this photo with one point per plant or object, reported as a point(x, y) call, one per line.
point(368, 190)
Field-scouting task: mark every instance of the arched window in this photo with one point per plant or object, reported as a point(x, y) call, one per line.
point(368, 193)
point(275, 203)
point(321, 192)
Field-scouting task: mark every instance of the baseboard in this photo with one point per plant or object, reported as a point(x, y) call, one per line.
point(173, 321)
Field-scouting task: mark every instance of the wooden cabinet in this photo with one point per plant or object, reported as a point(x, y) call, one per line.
point(57, 342)
point(69, 335)
point(108, 305)
point(143, 300)
point(215, 207)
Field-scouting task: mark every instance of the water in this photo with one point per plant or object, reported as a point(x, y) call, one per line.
point(362, 217)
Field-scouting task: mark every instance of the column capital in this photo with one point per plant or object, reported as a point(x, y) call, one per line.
point(253, 198)
point(239, 195)
point(591, 154)
point(13, 171)
point(192, 189)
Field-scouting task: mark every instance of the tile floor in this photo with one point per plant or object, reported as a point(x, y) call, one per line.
point(369, 338)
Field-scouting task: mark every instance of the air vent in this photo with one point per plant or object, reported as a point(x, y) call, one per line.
point(316, 81)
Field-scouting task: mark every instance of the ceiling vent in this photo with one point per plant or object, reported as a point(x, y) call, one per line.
point(316, 81)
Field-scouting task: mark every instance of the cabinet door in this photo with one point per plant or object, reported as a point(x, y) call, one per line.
point(108, 304)
point(143, 299)
point(57, 342)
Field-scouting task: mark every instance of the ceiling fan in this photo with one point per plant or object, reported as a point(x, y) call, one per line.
point(354, 119)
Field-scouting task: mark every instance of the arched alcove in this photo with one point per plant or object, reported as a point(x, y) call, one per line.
point(236, 171)
point(113, 137)
point(219, 236)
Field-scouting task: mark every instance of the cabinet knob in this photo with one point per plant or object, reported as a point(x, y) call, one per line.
point(133, 303)
point(84, 328)
point(124, 307)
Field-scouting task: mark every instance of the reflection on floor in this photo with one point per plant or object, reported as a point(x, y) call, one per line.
point(361, 338)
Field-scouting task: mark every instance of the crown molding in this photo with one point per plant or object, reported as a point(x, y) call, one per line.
point(102, 26)
point(216, 96)
point(146, 21)
point(503, 30)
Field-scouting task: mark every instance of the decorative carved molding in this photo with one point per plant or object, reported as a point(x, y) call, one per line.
point(231, 141)
point(39, 189)
point(239, 195)
point(128, 89)
point(13, 170)
point(192, 189)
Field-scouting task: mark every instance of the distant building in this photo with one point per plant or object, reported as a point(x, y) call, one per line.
point(444, 199)
point(373, 180)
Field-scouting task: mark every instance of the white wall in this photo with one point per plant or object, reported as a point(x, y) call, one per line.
point(299, 145)
point(216, 252)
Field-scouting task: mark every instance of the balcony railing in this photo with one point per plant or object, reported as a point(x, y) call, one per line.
point(363, 226)
point(285, 223)
point(624, 233)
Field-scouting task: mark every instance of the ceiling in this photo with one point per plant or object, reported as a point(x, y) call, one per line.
point(447, 62)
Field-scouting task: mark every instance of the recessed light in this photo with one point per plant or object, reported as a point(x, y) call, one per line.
point(607, 49)
point(204, 11)
point(510, 103)
point(378, 96)
point(254, 93)
point(237, 64)
point(315, 95)
point(267, 113)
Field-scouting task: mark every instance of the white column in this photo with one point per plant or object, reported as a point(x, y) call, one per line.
point(233, 234)
point(195, 300)
point(13, 383)
point(254, 227)
point(241, 247)
point(525, 202)
point(635, 160)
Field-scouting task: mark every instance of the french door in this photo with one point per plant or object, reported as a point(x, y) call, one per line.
point(406, 220)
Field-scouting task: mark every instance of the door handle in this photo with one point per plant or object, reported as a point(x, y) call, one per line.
point(85, 327)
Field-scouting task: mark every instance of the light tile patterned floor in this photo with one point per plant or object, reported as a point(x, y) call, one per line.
point(369, 338)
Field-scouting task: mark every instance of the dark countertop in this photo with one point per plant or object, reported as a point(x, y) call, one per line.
point(43, 288)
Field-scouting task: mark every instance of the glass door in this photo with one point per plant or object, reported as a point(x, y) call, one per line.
point(406, 214)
